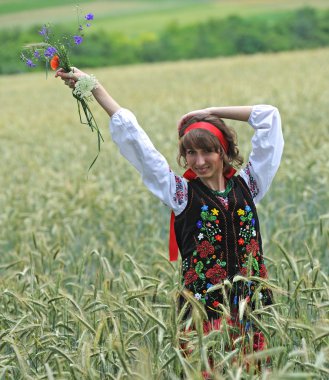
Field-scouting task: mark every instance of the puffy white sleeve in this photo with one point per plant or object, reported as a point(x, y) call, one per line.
point(137, 148)
point(267, 148)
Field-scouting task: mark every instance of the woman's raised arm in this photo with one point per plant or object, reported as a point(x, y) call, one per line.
point(104, 99)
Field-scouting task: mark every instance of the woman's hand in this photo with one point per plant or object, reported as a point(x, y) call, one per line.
point(71, 77)
point(99, 92)
point(199, 113)
point(241, 113)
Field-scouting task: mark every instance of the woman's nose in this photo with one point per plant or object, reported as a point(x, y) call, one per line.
point(200, 159)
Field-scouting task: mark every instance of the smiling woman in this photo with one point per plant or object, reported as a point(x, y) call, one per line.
point(214, 225)
point(83, 256)
point(206, 137)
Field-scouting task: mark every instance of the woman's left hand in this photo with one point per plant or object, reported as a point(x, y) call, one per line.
point(70, 78)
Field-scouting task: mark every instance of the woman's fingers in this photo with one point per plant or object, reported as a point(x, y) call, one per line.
point(59, 72)
point(69, 82)
point(199, 113)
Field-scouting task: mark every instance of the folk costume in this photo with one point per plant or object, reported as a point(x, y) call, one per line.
point(217, 233)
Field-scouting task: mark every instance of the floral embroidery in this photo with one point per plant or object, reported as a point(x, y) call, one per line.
point(208, 224)
point(263, 271)
point(190, 276)
point(215, 274)
point(250, 260)
point(206, 267)
point(181, 191)
point(252, 247)
point(252, 184)
point(205, 249)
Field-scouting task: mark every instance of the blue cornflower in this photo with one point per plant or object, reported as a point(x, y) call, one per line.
point(88, 25)
point(247, 208)
point(89, 16)
point(209, 285)
point(50, 52)
point(30, 63)
point(36, 54)
point(235, 301)
point(43, 31)
point(199, 224)
point(253, 221)
point(204, 208)
point(77, 40)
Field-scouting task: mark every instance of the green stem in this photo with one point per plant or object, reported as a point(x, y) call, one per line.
point(91, 122)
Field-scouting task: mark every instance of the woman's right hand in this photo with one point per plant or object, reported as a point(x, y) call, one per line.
point(199, 113)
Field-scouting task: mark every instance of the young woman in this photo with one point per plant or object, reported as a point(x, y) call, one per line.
point(214, 219)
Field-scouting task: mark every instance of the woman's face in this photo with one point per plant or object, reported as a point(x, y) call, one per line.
point(207, 165)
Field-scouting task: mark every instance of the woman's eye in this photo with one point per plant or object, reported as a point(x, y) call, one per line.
point(190, 152)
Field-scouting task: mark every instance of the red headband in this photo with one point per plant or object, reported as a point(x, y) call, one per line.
point(210, 128)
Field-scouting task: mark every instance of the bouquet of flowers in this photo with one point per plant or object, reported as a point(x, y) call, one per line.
point(53, 52)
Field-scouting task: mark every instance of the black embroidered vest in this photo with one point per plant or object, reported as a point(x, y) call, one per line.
point(218, 241)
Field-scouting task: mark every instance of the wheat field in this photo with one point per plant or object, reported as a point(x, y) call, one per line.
point(86, 288)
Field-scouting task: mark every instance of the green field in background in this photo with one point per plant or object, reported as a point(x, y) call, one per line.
point(86, 288)
point(139, 16)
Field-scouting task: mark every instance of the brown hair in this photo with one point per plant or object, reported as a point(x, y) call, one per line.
point(203, 139)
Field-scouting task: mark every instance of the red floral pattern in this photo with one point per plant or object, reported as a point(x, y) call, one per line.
point(207, 265)
point(252, 247)
point(263, 271)
point(216, 274)
point(204, 249)
point(190, 276)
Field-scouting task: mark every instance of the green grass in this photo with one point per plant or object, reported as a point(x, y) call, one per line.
point(86, 290)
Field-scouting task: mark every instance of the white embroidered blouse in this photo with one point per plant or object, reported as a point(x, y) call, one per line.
point(171, 189)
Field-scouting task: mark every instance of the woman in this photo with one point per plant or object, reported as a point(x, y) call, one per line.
point(214, 221)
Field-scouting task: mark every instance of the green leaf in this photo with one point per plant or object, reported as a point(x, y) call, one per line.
point(204, 215)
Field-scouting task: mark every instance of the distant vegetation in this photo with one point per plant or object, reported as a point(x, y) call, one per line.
point(301, 29)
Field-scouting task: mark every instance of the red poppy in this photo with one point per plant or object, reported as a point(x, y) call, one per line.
point(54, 62)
